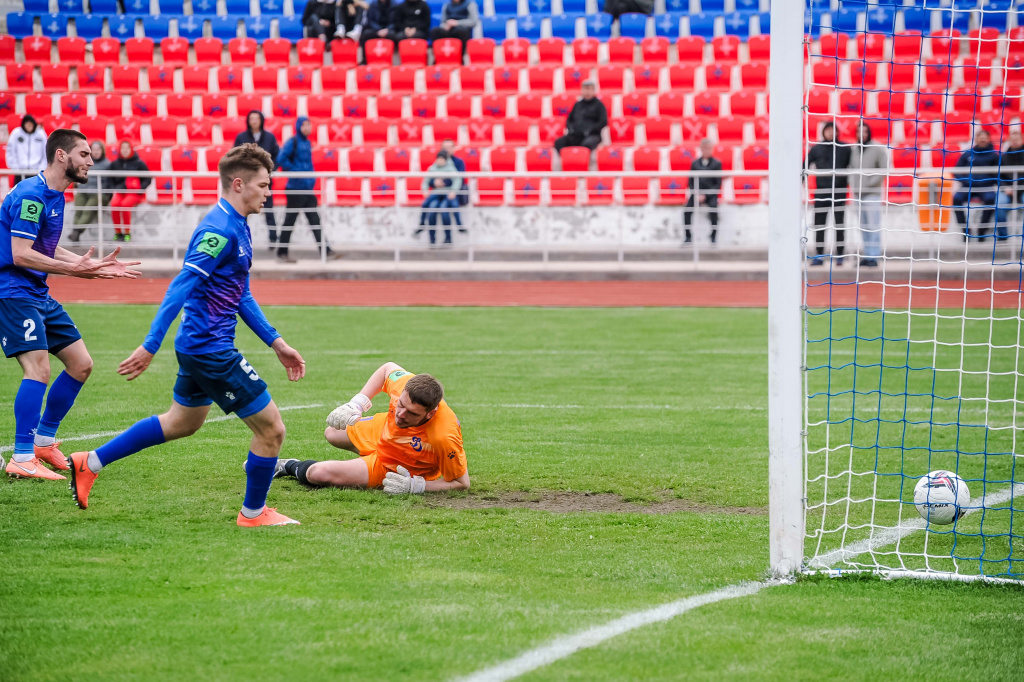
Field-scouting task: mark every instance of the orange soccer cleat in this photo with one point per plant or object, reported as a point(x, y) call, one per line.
point(82, 478)
point(31, 469)
point(269, 517)
point(52, 455)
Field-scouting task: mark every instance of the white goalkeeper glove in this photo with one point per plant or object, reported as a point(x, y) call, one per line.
point(349, 413)
point(402, 483)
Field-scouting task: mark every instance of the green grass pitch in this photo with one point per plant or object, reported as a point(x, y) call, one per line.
point(155, 581)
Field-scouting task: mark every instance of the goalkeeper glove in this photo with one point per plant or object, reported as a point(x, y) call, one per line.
point(402, 483)
point(349, 413)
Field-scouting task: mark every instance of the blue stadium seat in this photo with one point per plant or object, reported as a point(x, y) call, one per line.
point(564, 26)
point(667, 25)
point(190, 27)
point(633, 25)
point(880, 20)
point(574, 6)
point(748, 5)
point(171, 6)
point(435, 19)
point(435, 8)
point(71, 6)
point(103, 7)
point(54, 25)
point(959, 20)
point(528, 27)
point(495, 27)
point(19, 24)
point(812, 22)
point(204, 6)
point(225, 27)
point(716, 6)
point(88, 26)
point(137, 7)
point(703, 24)
point(766, 22)
point(999, 5)
point(506, 6)
point(122, 26)
point(998, 20)
point(272, 7)
point(257, 28)
point(675, 6)
point(599, 26)
point(539, 6)
point(845, 20)
point(238, 7)
point(37, 7)
point(738, 24)
point(917, 19)
point(290, 28)
point(156, 27)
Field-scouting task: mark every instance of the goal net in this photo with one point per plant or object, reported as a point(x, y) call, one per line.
point(912, 354)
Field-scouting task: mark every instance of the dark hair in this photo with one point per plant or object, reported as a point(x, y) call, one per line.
point(425, 390)
point(243, 161)
point(64, 139)
point(442, 154)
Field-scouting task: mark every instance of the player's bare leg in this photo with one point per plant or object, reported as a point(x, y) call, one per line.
point(339, 439)
point(25, 463)
point(59, 399)
point(267, 438)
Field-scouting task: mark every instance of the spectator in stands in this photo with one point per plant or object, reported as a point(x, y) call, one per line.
point(256, 133)
point(351, 22)
point(297, 156)
point(377, 21)
point(87, 197)
point(619, 7)
point(26, 148)
point(585, 122)
point(977, 171)
point(411, 19)
point(869, 162)
point(321, 18)
point(442, 186)
point(1011, 196)
point(448, 145)
point(704, 191)
point(458, 19)
point(129, 189)
point(829, 154)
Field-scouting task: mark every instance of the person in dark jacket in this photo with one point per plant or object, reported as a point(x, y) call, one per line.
point(256, 134)
point(129, 190)
point(1011, 196)
point(977, 171)
point(87, 197)
point(297, 156)
point(321, 18)
point(458, 19)
point(831, 189)
point(411, 19)
point(616, 8)
point(448, 145)
point(377, 21)
point(585, 122)
point(704, 191)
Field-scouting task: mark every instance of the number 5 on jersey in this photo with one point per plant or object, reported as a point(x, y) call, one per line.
point(247, 368)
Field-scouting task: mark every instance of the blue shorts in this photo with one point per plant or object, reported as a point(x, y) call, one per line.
point(35, 324)
point(224, 378)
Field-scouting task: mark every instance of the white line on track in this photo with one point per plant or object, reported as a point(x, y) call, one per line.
point(108, 434)
point(566, 646)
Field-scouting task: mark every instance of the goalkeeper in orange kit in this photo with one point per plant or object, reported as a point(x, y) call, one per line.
point(414, 447)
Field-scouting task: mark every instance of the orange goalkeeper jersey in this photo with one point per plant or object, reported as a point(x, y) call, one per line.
point(433, 449)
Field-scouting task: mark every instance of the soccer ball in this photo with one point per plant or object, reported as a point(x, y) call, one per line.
point(941, 497)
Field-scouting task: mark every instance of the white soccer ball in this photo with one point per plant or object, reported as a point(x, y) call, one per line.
point(941, 497)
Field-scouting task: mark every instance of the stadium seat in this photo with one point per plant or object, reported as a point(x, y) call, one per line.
point(334, 78)
point(494, 106)
point(506, 79)
point(892, 104)
point(265, 78)
point(38, 104)
point(53, 25)
point(754, 76)
point(379, 51)
point(759, 48)
point(389, 106)
point(459, 105)
point(368, 78)
point(646, 78)
point(122, 26)
point(144, 105)
point(598, 25)
point(340, 131)
point(573, 77)
point(128, 128)
point(180, 105)
point(730, 129)
point(354, 106)
point(196, 78)
point(55, 77)
point(290, 27)
point(585, 51)
point(634, 104)
point(36, 50)
point(271, 7)
point(91, 78)
point(310, 51)
point(690, 50)
point(199, 131)
point(125, 78)
point(726, 49)
point(410, 131)
point(72, 104)
point(981, 44)
point(529, 27)
point(139, 51)
point(864, 74)
point(413, 52)
point(161, 78)
point(214, 106)
point(833, 45)
point(208, 51)
point(472, 78)
point(671, 104)
point(529, 105)
point(517, 51)
point(248, 102)
point(902, 76)
point(8, 43)
point(109, 105)
point(516, 130)
point(300, 79)
point(284, 106)
point(654, 50)
point(449, 51)
point(541, 78)
point(229, 79)
point(551, 51)
point(575, 159)
point(825, 72)
point(694, 130)
point(402, 78)
point(174, 51)
point(550, 129)
point(667, 25)
point(106, 51)
point(277, 51)
point(658, 130)
point(703, 24)
point(94, 127)
point(906, 47)
point(495, 27)
point(156, 27)
point(376, 132)
point(190, 27)
point(610, 78)
point(937, 74)
point(345, 52)
point(51, 122)
point(424, 106)
point(445, 127)
point(562, 104)
point(633, 25)
point(20, 24)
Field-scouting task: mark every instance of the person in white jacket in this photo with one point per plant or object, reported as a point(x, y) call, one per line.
point(26, 148)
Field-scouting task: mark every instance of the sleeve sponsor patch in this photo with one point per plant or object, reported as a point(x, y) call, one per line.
point(211, 244)
point(31, 210)
point(397, 374)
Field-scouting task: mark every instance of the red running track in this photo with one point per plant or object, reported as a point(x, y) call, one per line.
point(719, 294)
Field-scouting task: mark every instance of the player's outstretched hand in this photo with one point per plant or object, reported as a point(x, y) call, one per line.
point(402, 483)
point(86, 267)
point(290, 358)
point(135, 364)
point(349, 413)
point(113, 268)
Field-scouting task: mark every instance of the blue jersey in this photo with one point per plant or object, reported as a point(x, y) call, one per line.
point(31, 211)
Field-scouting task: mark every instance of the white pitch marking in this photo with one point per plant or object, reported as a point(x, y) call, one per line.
point(570, 644)
point(107, 434)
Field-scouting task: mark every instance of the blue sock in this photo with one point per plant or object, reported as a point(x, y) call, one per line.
point(259, 474)
point(59, 400)
point(141, 435)
point(27, 405)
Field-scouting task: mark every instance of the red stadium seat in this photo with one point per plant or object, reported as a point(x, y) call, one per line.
point(161, 78)
point(562, 104)
point(825, 72)
point(690, 49)
point(320, 106)
point(494, 106)
point(658, 130)
point(174, 51)
point(376, 131)
point(91, 78)
point(345, 52)
point(445, 128)
point(215, 106)
point(284, 106)
point(73, 104)
point(506, 79)
point(209, 51)
point(526, 191)
point(7, 45)
point(634, 104)
point(672, 190)
point(755, 157)
point(681, 77)
point(503, 160)
point(472, 78)
point(726, 49)
point(368, 78)
point(621, 51)
point(152, 156)
point(706, 104)
point(529, 105)
point(340, 131)
point(610, 78)
point(746, 189)
point(622, 130)
point(981, 44)
point(139, 51)
point(55, 77)
point(424, 106)
point(37, 50)
point(106, 51)
point(300, 78)
point(229, 79)
point(402, 78)
point(575, 159)
point(851, 102)
point(242, 51)
point(743, 104)
point(180, 105)
point(109, 105)
point(94, 127)
point(517, 131)
point(333, 78)
point(864, 74)
point(584, 51)
point(600, 191)
point(870, 46)
point(563, 190)
point(937, 74)
point(196, 78)
point(231, 126)
point(128, 128)
point(647, 77)
point(144, 105)
point(517, 51)
point(410, 131)
point(731, 129)
point(833, 45)
point(573, 77)
point(19, 77)
point(551, 51)
point(125, 78)
point(539, 159)
point(930, 104)
point(694, 130)
point(246, 103)
point(611, 159)
point(413, 52)
point(906, 47)
point(481, 131)
point(310, 51)
point(892, 104)
point(200, 131)
point(759, 48)
point(979, 74)
point(382, 192)
point(449, 51)
point(389, 106)
point(354, 106)
point(459, 105)
point(542, 78)
point(754, 76)
point(819, 100)
point(550, 129)
point(671, 104)
point(39, 104)
point(379, 51)
point(277, 51)
point(946, 44)
point(70, 51)
point(718, 77)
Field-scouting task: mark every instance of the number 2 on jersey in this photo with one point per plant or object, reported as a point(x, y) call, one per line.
point(30, 328)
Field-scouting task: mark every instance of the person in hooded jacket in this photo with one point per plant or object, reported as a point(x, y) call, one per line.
point(297, 156)
point(977, 171)
point(321, 19)
point(377, 20)
point(129, 190)
point(830, 192)
point(411, 19)
point(87, 197)
point(26, 148)
point(256, 134)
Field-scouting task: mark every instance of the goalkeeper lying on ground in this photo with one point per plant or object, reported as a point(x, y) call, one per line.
point(415, 446)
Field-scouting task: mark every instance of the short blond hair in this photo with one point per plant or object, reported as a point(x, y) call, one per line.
point(244, 162)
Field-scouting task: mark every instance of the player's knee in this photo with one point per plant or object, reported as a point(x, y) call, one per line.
point(334, 436)
point(273, 435)
point(81, 369)
point(37, 368)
